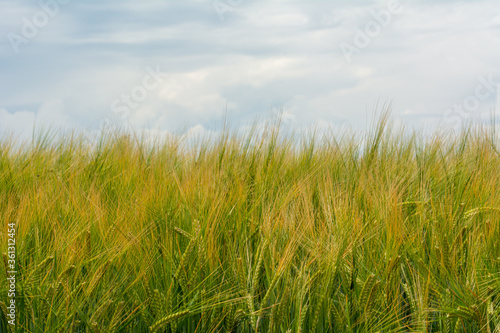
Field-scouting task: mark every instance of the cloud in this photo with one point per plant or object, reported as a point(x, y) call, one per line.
point(262, 56)
point(50, 115)
point(18, 123)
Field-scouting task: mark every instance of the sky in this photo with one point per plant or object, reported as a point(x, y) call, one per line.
point(186, 66)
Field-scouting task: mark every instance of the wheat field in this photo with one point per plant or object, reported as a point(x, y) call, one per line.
point(261, 232)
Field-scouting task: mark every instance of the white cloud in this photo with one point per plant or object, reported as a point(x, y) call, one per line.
point(263, 55)
point(52, 113)
point(18, 123)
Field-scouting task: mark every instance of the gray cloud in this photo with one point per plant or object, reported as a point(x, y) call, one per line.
point(261, 56)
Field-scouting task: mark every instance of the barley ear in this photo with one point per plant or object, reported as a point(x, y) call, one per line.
point(302, 317)
point(157, 303)
point(164, 321)
point(367, 292)
point(178, 273)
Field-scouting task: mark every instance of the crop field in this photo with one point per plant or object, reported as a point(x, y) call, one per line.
point(260, 232)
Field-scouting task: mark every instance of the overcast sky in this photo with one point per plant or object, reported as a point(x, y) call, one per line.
point(179, 65)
